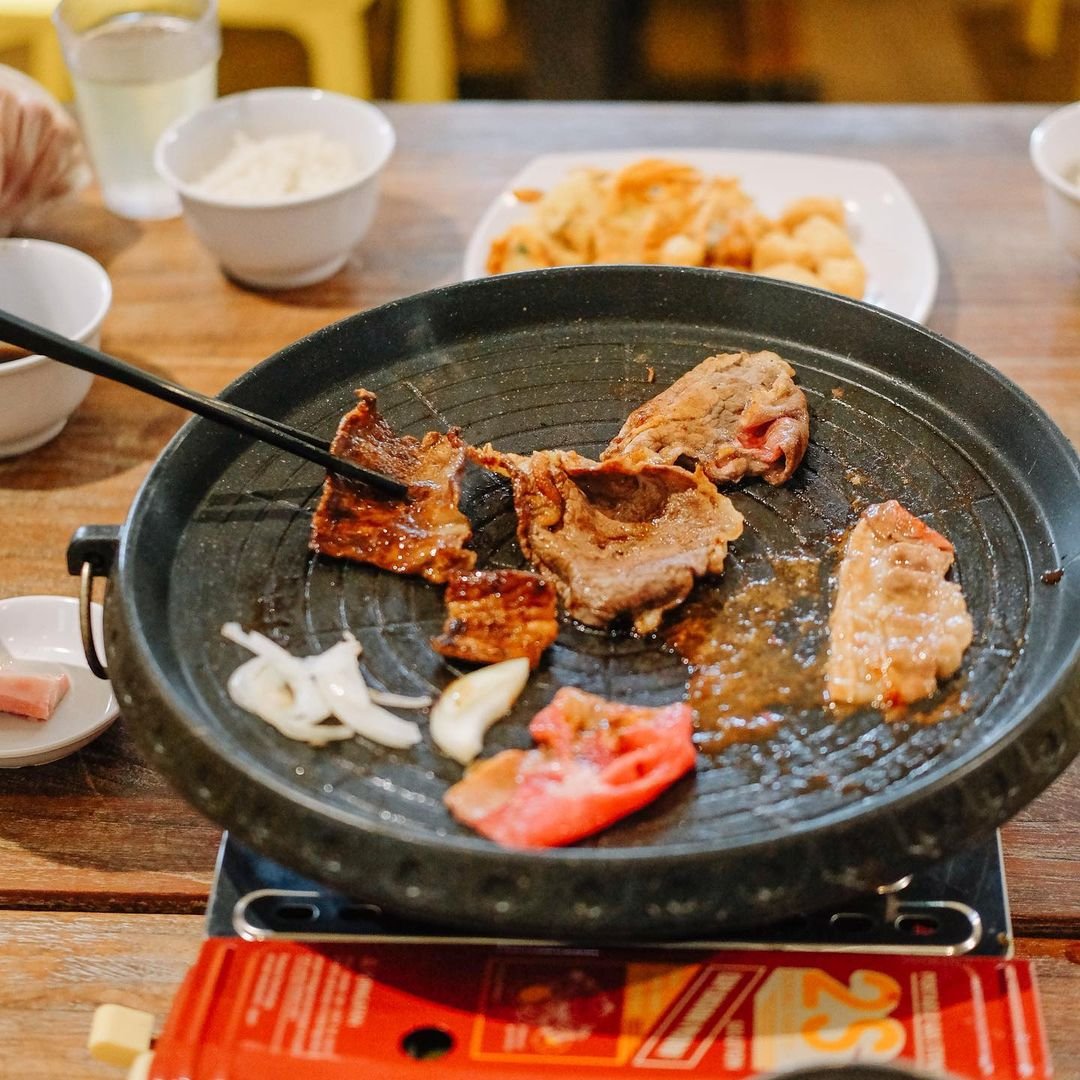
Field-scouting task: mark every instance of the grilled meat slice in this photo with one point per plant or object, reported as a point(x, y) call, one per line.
point(596, 761)
point(424, 534)
point(738, 415)
point(626, 536)
point(494, 615)
point(897, 625)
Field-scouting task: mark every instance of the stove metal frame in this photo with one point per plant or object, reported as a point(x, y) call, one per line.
point(958, 907)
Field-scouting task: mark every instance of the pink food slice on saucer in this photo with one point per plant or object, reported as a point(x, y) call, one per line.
point(32, 695)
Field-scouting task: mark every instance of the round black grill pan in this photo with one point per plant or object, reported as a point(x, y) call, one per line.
point(821, 808)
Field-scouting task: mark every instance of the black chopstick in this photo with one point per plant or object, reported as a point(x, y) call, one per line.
point(28, 335)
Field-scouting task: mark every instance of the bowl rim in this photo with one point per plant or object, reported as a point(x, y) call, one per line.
point(1037, 151)
point(86, 329)
point(175, 131)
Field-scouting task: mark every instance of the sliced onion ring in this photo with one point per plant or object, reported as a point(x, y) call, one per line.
point(344, 690)
point(296, 694)
point(260, 687)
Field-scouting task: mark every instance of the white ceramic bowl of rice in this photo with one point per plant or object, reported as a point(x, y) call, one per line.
point(280, 184)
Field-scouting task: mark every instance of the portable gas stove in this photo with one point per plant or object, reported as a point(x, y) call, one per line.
point(958, 907)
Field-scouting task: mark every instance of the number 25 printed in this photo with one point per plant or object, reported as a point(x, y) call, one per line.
point(806, 1015)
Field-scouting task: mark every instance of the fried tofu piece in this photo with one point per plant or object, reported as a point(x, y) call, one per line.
point(844, 276)
point(778, 248)
point(824, 239)
point(812, 206)
point(789, 271)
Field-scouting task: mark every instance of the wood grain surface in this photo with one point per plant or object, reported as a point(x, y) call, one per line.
point(55, 969)
point(101, 835)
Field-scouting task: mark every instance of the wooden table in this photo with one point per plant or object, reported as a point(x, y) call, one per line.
point(103, 871)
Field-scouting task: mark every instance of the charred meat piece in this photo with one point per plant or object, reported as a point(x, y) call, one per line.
point(424, 534)
point(621, 537)
point(738, 415)
point(596, 761)
point(494, 615)
point(897, 625)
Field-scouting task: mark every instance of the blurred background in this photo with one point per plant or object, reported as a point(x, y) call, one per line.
point(686, 50)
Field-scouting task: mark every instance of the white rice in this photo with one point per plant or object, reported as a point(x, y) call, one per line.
point(279, 167)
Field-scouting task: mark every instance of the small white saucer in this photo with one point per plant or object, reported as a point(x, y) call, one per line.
point(46, 628)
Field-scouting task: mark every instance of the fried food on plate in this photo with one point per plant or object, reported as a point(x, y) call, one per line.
point(659, 211)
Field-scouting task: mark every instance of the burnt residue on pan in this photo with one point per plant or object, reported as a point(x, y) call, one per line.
point(755, 656)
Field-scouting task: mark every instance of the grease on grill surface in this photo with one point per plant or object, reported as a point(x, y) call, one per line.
point(755, 655)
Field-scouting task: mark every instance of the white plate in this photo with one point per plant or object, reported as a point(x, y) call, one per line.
point(46, 628)
point(890, 234)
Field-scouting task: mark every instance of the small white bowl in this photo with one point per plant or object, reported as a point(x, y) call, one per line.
point(293, 241)
point(45, 629)
point(1055, 153)
point(63, 290)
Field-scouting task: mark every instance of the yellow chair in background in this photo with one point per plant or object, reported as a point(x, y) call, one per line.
point(332, 33)
point(425, 55)
point(26, 24)
point(425, 63)
point(1040, 27)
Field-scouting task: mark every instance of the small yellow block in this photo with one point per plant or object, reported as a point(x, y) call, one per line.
point(119, 1035)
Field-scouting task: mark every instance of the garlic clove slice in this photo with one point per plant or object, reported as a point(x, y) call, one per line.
point(472, 703)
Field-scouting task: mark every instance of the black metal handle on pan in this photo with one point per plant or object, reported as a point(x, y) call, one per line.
point(90, 554)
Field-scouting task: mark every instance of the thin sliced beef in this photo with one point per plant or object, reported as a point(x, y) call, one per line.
point(424, 534)
point(897, 625)
point(738, 415)
point(596, 761)
point(621, 537)
point(494, 615)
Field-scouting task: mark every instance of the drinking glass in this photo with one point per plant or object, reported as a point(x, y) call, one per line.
point(137, 67)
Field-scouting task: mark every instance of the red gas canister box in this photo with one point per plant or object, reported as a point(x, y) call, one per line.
point(284, 1010)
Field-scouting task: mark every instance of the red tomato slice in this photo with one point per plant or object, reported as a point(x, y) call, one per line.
point(596, 762)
